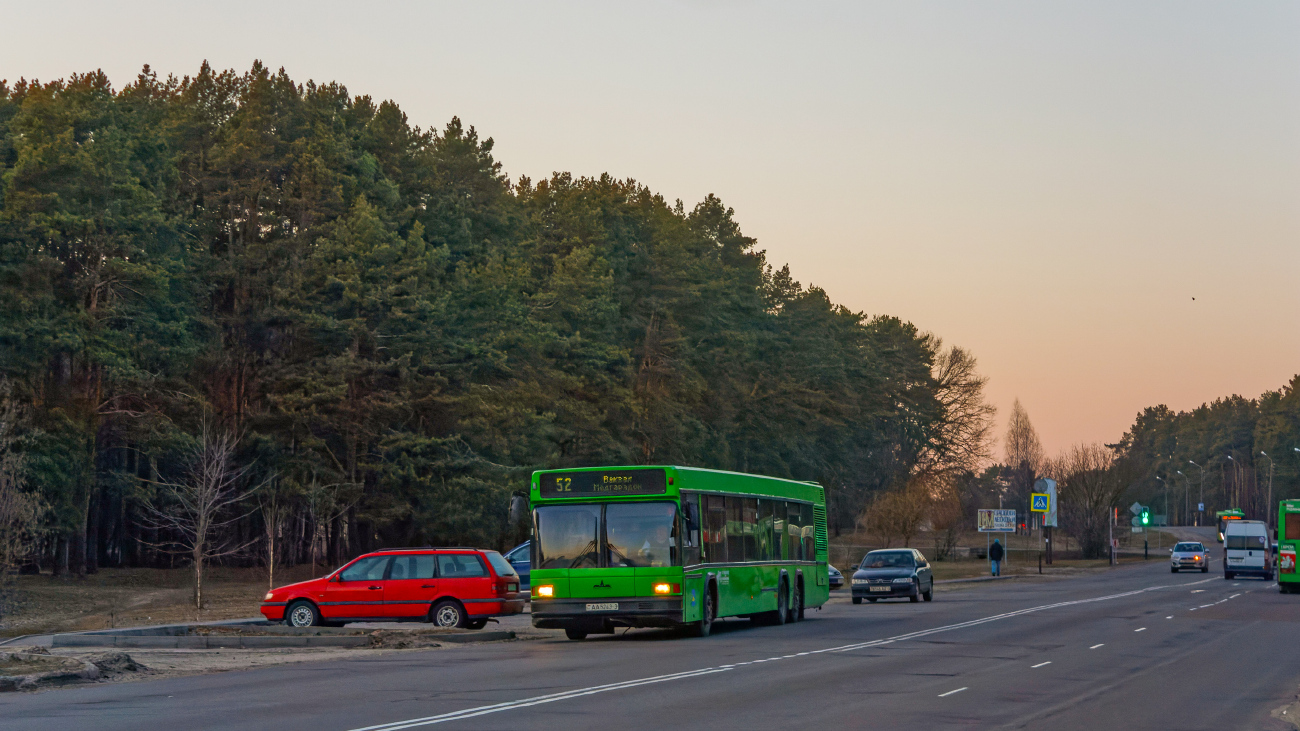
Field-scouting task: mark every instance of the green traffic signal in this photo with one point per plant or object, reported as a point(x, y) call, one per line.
point(1146, 516)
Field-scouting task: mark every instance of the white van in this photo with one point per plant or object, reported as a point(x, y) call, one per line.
point(1246, 549)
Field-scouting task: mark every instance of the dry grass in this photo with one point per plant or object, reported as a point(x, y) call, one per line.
point(1023, 553)
point(134, 597)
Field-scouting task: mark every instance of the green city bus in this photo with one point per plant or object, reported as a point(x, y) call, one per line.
point(1288, 541)
point(1226, 515)
point(669, 546)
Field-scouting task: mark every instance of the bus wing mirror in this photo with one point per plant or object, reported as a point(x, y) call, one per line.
point(518, 509)
point(692, 517)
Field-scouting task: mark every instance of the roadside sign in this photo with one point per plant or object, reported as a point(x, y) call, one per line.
point(1137, 529)
point(1135, 508)
point(1200, 507)
point(996, 521)
point(1039, 502)
point(1048, 486)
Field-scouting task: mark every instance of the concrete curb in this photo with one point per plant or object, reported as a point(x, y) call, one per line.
point(12, 640)
point(138, 640)
point(986, 578)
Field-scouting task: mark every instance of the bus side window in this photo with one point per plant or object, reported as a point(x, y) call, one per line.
point(715, 521)
point(764, 532)
point(749, 515)
point(735, 530)
point(780, 549)
point(690, 532)
point(795, 537)
point(809, 533)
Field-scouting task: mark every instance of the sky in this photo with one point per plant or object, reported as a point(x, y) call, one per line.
point(1101, 200)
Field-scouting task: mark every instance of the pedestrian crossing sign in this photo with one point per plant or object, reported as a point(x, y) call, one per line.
point(1040, 502)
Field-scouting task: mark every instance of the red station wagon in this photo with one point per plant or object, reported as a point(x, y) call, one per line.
point(450, 587)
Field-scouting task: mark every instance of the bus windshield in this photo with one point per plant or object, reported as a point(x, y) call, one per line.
point(567, 536)
point(635, 535)
point(641, 534)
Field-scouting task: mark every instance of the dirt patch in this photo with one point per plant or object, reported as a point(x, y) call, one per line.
point(136, 597)
point(39, 669)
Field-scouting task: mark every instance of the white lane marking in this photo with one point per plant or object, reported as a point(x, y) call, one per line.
point(1170, 617)
point(1197, 591)
point(1099, 644)
point(1039, 665)
point(945, 695)
point(579, 692)
point(1140, 629)
point(538, 700)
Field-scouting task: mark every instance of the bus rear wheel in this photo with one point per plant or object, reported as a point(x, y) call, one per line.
point(575, 634)
point(782, 603)
point(796, 604)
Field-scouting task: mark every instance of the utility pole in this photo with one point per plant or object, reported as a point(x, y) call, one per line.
point(1201, 504)
point(1268, 505)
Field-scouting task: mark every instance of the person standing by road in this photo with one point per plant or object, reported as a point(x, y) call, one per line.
point(995, 557)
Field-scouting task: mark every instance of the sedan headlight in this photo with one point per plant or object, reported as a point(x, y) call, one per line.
point(267, 598)
point(903, 580)
point(862, 581)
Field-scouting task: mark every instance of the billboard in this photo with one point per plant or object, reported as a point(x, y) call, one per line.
point(996, 521)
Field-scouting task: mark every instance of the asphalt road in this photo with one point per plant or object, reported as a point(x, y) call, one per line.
point(1132, 648)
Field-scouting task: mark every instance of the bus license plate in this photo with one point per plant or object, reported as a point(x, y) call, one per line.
point(602, 607)
point(882, 588)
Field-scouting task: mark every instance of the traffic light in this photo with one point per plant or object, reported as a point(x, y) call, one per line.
point(1146, 516)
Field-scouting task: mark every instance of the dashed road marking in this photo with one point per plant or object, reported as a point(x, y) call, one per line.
point(1039, 665)
point(1099, 644)
point(592, 690)
point(1140, 629)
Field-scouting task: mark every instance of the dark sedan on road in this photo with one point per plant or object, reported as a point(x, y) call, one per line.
point(899, 572)
point(834, 577)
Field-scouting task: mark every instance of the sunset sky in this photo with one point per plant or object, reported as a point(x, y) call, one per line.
point(1100, 199)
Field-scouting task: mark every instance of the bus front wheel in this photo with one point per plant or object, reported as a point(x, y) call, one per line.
point(575, 634)
point(704, 627)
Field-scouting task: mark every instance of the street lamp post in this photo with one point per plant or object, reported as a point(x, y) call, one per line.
point(1187, 490)
point(1200, 505)
point(1268, 505)
point(1236, 501)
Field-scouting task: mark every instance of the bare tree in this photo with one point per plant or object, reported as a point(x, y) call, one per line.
point(1091, 483)
point(195, 509)
point(20, 511)
point(1024, 453)
point(274, 508)
point(326, 503)
point(899, 513)
point(964, 438)
point(947, 516)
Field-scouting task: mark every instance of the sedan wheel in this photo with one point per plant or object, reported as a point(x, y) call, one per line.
point(302, 614)
point(447, 613)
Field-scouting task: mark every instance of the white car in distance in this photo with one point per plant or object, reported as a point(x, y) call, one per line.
point(1189, 555)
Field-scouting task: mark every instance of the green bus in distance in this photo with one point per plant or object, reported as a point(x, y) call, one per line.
point(1226, 515)
point(673, 547)
point(1288, 541)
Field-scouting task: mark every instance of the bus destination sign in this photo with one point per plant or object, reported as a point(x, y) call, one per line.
point(603, 483)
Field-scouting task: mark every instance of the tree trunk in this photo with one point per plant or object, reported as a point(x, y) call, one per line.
point(198, 576)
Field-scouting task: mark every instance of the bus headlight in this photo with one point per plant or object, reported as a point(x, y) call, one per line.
point(546, 590)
